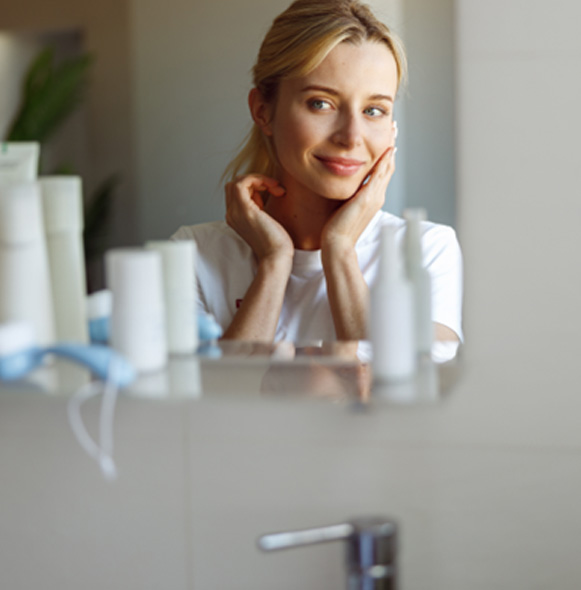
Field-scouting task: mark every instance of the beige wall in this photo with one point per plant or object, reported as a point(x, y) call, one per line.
point(518, 177)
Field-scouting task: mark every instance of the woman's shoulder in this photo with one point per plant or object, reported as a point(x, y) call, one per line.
point(194, 232)
point(438, 240)
point(213, 238)
point(432, 232)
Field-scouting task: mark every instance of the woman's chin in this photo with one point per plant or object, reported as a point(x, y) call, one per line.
point(340, 191)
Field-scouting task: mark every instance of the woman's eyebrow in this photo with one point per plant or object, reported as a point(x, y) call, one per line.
point(320, 89)
point(334, 92)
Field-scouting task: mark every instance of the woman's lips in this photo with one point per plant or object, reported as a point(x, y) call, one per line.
point(341, 166)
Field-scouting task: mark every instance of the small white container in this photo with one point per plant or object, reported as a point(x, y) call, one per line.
point(391, 320)
point(178, 263)
point(135, 278)
point(25, 289)
point(420, 279)
point(63, 222)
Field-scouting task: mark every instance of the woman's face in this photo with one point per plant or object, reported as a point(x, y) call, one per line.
point(330, 127)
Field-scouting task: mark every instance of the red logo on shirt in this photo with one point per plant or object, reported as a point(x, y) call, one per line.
point(238, 303)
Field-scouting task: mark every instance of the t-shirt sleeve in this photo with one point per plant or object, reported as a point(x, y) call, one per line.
point(443, 259)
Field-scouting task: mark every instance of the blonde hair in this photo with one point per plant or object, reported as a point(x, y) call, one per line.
point(297, 42)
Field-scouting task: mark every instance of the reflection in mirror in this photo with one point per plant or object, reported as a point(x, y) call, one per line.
point(305, 236)
point(181, 116)
point(334, 371)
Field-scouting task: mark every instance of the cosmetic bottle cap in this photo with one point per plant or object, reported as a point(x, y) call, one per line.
point(20, 214)
point(99, 304)
point(62, 198)
point(16, 337)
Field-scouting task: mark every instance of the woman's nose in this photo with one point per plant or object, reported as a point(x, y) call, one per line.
point(348, 131)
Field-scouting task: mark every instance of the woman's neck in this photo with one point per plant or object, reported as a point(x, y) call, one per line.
point(303, 214)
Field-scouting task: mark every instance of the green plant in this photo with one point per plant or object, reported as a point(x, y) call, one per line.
point(50, 93)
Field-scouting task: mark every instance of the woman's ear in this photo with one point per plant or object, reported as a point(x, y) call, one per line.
point(260, 110)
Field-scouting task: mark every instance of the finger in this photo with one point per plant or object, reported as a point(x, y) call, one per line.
point(261, 183)
point(387, 164)
point(383, 163)
point(383, 168)
point(256, 196)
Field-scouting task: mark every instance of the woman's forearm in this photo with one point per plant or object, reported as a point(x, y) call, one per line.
point(259, 312)
point(347, 292)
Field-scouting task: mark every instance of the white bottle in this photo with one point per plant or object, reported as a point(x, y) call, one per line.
point(420, 279)
point(134, 276)
point(25, 290)
point(18, 161)
point(178, 260)
point(62, 204)
point(99, 309)
point(391, 319)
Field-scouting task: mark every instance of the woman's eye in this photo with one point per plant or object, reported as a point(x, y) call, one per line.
point(319, 105)
point(375, 111)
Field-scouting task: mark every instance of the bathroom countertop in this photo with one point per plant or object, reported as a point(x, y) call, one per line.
point(484, 484)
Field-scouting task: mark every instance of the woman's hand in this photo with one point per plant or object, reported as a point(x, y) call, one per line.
point(245, 214)
point(346, 288)
point(257, 317)
point(343, 229)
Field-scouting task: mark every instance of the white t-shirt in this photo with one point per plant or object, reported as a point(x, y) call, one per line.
point(226, 266)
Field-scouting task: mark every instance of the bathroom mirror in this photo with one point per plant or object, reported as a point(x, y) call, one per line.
point(167, 105)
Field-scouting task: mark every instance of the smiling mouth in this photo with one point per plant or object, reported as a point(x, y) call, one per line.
point(341, 166)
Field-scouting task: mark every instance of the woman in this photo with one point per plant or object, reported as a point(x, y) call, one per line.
point(299, 248)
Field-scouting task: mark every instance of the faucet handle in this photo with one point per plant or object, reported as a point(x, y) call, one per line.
point(285, 540)
point(371, 548)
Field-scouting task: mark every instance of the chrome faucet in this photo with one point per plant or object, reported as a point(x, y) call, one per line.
point(371, 549)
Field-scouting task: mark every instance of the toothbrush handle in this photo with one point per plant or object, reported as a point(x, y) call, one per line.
point(98, 359)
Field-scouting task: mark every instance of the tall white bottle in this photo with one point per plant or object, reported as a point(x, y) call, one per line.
point(178, 262)
point(134, 276)
point(25, 290)
point(391, 319)
point(63, 222)
point(420, 279)
point(18, 161)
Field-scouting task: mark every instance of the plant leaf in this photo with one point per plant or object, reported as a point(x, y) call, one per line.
point(51, 94)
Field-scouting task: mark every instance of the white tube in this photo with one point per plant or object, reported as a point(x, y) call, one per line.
point(18, 162)
point(392, 316)
point(138, 317)
point(420, 279)
point(63, 223)
point(178, 260)
point(25, 290)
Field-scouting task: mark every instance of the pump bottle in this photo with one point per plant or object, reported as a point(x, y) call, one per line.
point(420, 279)
point(392, 329)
